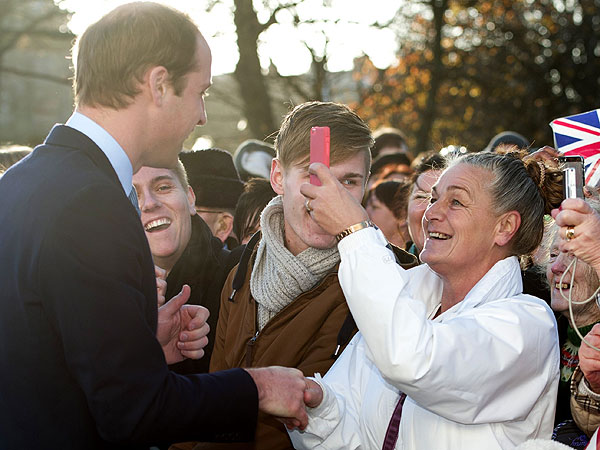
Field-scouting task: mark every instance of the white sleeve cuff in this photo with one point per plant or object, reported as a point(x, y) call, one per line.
point(585, 389)
point(324, 407)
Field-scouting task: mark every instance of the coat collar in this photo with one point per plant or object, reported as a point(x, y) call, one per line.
point(503, 280)
point(64, 136)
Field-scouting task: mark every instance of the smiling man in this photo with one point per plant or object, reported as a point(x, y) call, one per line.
point(84, 349)
point(183, 245)
point(290, 309)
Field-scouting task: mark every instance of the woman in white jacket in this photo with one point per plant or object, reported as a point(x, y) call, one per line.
point(476, 359)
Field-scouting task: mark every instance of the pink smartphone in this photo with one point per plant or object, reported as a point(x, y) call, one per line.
point(319, 149)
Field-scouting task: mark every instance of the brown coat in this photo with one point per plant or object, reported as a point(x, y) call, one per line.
point(302, 335)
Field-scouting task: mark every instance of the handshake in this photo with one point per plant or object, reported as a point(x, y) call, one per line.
point(285, 393)
point(182, 332)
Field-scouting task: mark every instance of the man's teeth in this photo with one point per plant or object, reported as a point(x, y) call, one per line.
point(439, 235)
point(157, 223)
point(561, 286)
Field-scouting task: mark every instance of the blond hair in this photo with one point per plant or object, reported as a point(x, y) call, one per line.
point(349, 134)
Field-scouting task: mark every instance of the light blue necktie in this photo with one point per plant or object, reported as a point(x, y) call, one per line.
point(134, 200)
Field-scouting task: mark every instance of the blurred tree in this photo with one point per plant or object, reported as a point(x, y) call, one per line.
point(255, 82)
point(23, 22)
point(501, 65)
point(35, 88)
point(438, 7)
point(252, 79)
point(248, 73)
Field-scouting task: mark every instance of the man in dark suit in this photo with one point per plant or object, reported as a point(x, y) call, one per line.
point(83, 350)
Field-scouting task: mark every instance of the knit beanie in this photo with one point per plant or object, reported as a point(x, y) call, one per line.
point(213, 177)
point(253, 159)
point(507, 137)
point(389, 159)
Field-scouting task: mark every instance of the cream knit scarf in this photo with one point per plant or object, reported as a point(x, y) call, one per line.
point(278, 277)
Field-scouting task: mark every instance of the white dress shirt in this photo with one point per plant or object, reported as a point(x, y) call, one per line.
point(109, 146)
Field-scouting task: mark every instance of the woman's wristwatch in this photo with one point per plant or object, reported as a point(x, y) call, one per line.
point(354, 228)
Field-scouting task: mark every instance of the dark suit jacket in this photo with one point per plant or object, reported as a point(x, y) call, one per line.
point(80, 367)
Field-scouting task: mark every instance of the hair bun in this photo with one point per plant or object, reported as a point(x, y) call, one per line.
point(548, 179)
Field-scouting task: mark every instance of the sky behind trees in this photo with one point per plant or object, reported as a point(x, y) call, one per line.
point(443, 71)
point(346, 23)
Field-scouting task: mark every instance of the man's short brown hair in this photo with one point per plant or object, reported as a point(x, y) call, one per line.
point(112, 55)
point(349, 134)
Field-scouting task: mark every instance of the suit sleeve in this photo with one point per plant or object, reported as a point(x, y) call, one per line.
point(94, 279)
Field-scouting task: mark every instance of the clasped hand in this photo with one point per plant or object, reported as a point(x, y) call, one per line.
point(182, 329)
point(313, 396)
point(285, 393)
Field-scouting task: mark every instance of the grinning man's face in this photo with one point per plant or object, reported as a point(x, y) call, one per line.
point(167, 209)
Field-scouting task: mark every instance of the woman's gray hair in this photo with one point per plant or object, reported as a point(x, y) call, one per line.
point(523, 187)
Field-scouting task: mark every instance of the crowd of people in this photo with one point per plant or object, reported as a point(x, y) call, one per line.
point(160, 298)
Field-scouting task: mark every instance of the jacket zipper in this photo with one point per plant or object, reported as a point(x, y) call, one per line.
point(249, 349)
point(250, 345)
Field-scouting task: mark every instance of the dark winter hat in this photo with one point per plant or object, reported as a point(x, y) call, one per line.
point(395, 159)
point(253, 159)
point(388, 137)
point(507, 137)
point(213, 177)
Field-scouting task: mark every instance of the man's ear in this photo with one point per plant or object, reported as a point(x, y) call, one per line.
point(506, 228)
point(191, 198)
point(224, 226)
point(402, 224)
point(277, 176)
point(158, 82)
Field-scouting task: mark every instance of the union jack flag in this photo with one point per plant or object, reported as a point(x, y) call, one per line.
point(580, 135)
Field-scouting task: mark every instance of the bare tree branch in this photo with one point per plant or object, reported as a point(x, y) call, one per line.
point(26, 29)
point(211, 4)
point(226, 96)
point(53, 34)
point(272, 19)
point(37, 75)
point(291, 82)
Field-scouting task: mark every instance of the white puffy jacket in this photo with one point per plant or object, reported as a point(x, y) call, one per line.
point(482, 375)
